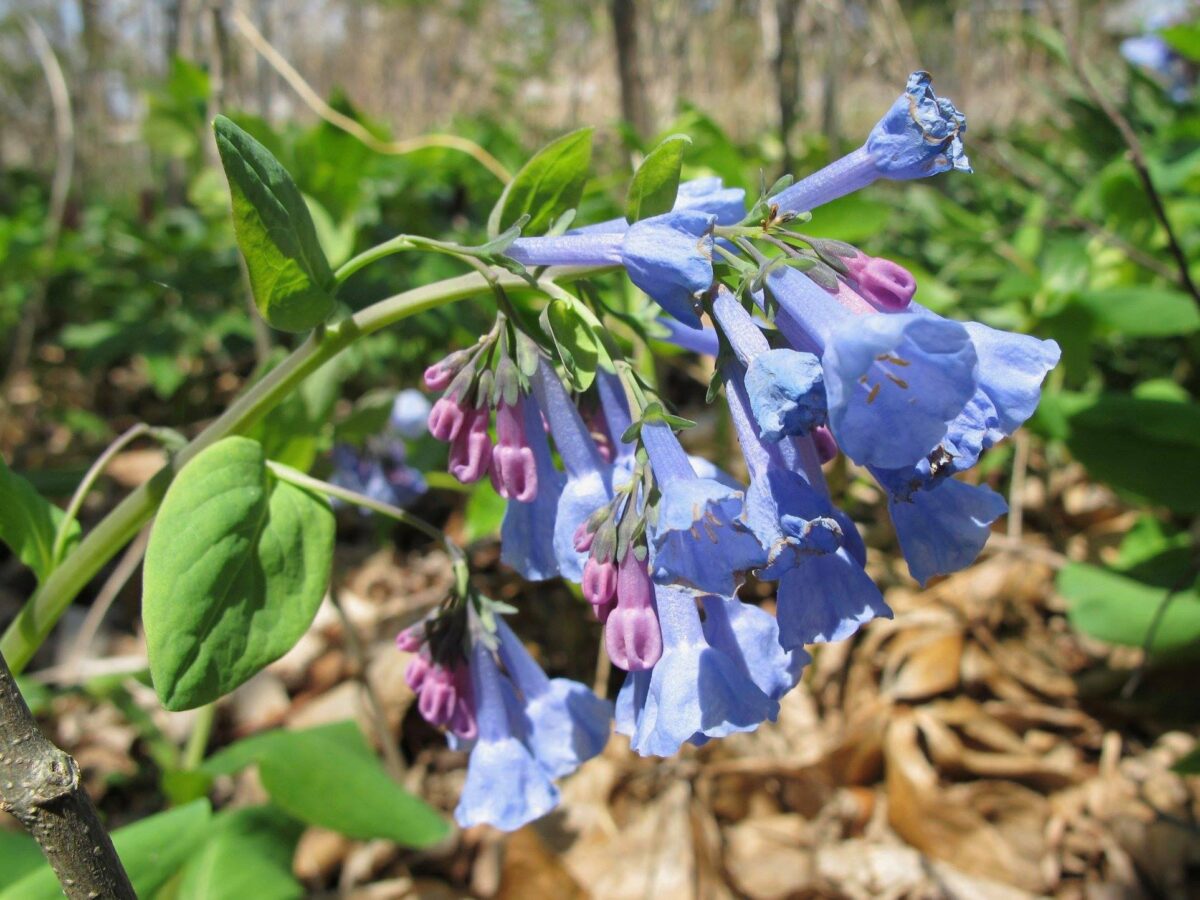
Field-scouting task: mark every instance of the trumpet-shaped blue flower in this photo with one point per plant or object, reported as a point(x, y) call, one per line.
point(701, 538)
point(919, 136)
point(696, 688)
point(893, 383)
point(410, 412)
point(786, 387)
point(527, 532)
point(668, 256)
point(750, 637)
point(506, 786)
point(589, 482)
point(568, 724)
point(814, 550)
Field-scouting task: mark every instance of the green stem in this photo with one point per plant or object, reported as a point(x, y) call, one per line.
point(40, 613)
point(197, 743)
point(89, 479)
point(379, 251)
point(403, 516)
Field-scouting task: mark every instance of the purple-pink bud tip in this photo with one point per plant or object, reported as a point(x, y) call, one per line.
point(471, 449)
point(827, 447)
point(446, 419)
point(888, 286)
point(632, 635)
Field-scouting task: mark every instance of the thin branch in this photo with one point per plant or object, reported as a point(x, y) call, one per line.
point(39, 785)
point(339, 120)
point(64, 165)
point(1136, 153)
point(1016, 490)
point(89, 479)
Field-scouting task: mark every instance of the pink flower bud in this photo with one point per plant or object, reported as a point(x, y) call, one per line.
point(417, 672)
point(410, 639)
point(886, 285)
point(439, 695)
point(514, 472)
point(462, 720)
point(600, 586)
point(827, 447)
point(446, 419)
point(471, 450)
point(632, 635)
point(583, 538)
point(438, 376)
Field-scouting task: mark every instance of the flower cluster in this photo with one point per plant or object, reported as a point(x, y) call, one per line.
point(381, 470)
point(821, 350)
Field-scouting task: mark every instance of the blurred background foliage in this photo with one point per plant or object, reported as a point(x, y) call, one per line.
point(122, 299)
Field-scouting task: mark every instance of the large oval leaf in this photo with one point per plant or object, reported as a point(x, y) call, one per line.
point(329, 776)
point(289, 274)
point(547, 186)
point(235, 569)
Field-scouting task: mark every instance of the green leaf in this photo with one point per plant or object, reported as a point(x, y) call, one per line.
point(1140, 446)
point(484, 512)
point(152, 851)
point(1120, 610)
point(1140, 312)
point(1184, 39)
point(328, 776)
point(547, 186)
point(28, 522)
point(576, 343)
point(656, 182)
point(235, 569)
point(249, 855)
point(289, 274)
point(19, 855)
point(1188, 764)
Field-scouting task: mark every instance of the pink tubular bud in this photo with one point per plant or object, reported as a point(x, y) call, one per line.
point(417, 672)
point(446, 419)
point(827, 447)
point(600, 586)
point(886, 285)
point(438, 376)
point(632, 635)
point(410, 639)
point(583, 538)
point(514, 472)
point(471, 450)
point(462, 720)
point(438, 696)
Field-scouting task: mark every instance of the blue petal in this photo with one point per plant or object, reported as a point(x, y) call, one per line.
point(709, 195)
point(790, 519)
point(894, 383)
point(670, 258)
point(694, 688)
point(505, 787)
point(568, 725)
point(750, 637)
point(942, 529)
point(700, 539)
point(527, 533)
point(581, 497)
point(826, 598)
point(787, 393)
point(920, 135)
point(1011, 370)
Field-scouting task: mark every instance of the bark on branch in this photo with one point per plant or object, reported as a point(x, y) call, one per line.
point(39, 786)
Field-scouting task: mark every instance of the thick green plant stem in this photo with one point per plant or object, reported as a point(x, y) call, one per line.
point(43, 610)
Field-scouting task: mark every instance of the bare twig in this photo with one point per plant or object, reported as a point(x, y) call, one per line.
point(64, 165)
point(339, 120)
point(39, 785)
point(1136, 153)
point(354, 648)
